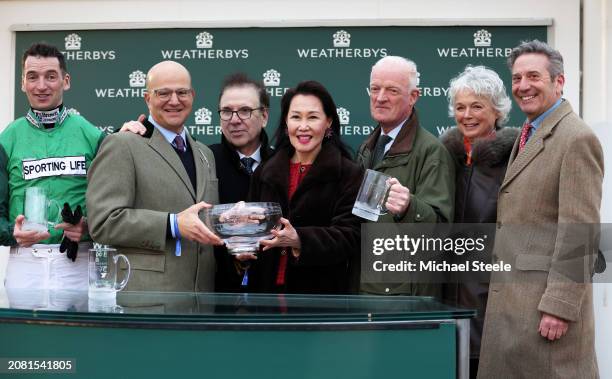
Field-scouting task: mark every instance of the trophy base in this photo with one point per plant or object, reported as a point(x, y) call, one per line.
point(242, 245)
point(363, 211)
point(28, 225)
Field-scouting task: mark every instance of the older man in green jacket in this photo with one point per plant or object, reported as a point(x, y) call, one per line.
point(423, 176)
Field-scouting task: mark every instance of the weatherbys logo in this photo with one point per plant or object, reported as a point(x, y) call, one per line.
point(482, 48)
point(441, 129)
point(431, 91)
point(342, 39)
point(73, 43)
point(203, 116)
point(341, 49)
point(203, 124)
point(107, 129)
point(137, 79)
point(346, 129)
point(343, 115)
point(204, 50)
point(204, 40)
point(136, 88)
point(271, 80)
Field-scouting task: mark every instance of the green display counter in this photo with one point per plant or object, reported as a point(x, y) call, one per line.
point(198, 335)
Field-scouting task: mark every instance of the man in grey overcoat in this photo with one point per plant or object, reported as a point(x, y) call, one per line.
point(145, 194)
point(539, 318)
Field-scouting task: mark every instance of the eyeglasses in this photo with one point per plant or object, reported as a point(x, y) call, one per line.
point(165, 94)
point(242, 113)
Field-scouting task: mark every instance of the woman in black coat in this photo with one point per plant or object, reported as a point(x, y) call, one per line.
point(311, 175)
point(481, 148)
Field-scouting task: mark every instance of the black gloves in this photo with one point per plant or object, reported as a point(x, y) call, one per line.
point(72, 247)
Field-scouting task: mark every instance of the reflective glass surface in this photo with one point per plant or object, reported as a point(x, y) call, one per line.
point(187, 307)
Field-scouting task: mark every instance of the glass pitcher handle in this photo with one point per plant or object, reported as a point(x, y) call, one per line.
point(58, 219)
point(383, 210)
point(120, 286)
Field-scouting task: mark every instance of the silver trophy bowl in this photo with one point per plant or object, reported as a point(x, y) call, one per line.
point(242, 225)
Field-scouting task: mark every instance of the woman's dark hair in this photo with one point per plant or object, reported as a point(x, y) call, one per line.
point(310, 87)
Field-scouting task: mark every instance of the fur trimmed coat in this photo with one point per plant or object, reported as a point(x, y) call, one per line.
point(477, 186)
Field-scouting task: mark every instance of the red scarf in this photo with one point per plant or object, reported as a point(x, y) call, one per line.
point(468, 146)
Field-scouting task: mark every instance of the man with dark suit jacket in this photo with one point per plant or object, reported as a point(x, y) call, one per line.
point(539, 320)
point(145, 194)
point(243, 110)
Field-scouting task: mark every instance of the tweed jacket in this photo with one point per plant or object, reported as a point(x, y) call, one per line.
point(551, 186)
point(134, 183)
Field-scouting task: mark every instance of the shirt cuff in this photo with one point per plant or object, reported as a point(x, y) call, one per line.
point(172, 220)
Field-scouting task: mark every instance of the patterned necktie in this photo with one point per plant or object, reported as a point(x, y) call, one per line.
point(179, 143)
point(248, 163)
point(524, 134)
point(379, 150)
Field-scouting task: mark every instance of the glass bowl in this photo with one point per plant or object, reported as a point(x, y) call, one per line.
point(242, 225)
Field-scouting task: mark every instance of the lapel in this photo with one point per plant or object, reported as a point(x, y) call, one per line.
point(405, 138)
point(325, 168)
point(158, 143)
point(275, 174)
point(402, 144)
point(367, 149)
point(202, 166)
point(536, 144)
